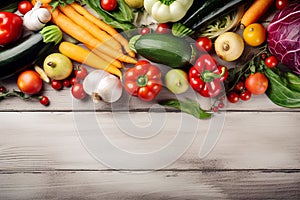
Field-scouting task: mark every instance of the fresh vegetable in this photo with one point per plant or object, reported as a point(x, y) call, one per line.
point(284, 35)
point(42, 73)
point(24, 7)
point(145, 30)
point(44, 100)
point(229, 46)
point(256, 83)
point(176, 81)
point(108, 5)
point(206, 76)
point(163, 48)
point(271, 61)
point(78, 91)
point(204, 44)
point(201, 13)
point(163, 28)
point(257, 9)
point(82, 55)
point(51, 33)
point(245, 95)
point(143, 80)
point(255, 34)
point(167, 10)
point(81, 72)
point(57, 84)
point(233, 97)
point(36, 18)
point(281, 4)
point(11, 28)
point(135, 3)
point(57, 66)
point(29, 82)
point(188, 106)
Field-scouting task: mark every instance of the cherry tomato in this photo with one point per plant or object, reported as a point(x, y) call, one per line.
point(255, 34)
point(271, 61)
point(66, 83)
point(163, 28)
point(44, 100)
point(204, 44)
point(73, 80)
point(57, 84)
point(239, 87)
point(233, 97)
point(2, 89)
point(145, 30)
point(263, 56)
point(29, 82)
point(24, 7)
point(281, 4)
point(256, 83)
point(78, 91)
point(108, 5)
point(245, 95)
point(81, 72)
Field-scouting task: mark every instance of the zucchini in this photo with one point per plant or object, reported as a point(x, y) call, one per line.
point(163, 48)
point(20, 55)
point(201, 12)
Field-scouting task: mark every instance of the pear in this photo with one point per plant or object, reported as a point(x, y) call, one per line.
point(58, 66)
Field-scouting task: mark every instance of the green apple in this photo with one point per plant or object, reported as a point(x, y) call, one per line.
point(177, 81)
point(58, 66)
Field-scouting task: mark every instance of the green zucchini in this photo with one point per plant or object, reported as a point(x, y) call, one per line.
point(163, 48)
point(18, 56)
point(201, 12)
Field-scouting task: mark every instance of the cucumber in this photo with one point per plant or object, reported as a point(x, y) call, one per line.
point(201, 12)
point(17, 57)
point(165, 49)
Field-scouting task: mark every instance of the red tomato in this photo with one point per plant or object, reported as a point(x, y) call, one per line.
point(29, 82)
point(57, 84)
point(81, 72)
point(271, 61)
point(78, 91)
point(204, 44)
point(44, 100)
point(281, 4)
point(24, 7)
point(163, 28)
point(245, 95)
point(145, 30)
point(256, 83)
point(233, 97)
point(11, 27)
point(109, 5)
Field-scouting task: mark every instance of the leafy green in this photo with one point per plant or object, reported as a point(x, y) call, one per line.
point(188, 106)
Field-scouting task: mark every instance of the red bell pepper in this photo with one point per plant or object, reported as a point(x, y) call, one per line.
point(206, 76)
point(11, 27)
point(143, 80)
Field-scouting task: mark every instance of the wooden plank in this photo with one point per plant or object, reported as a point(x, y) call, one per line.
point(248, 140)
point(149, 185)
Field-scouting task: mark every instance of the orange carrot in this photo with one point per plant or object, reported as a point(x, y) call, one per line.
point(82, 55)
point(94, 30)
point(104, 26)
point(255, 11)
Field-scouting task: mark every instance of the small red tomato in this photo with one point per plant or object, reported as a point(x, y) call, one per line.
point(145, 30)
point(24, 7)
point(78, 91)
point(204, 44)
point(233, 97)
point(73, 80)
point(81, 72)
point(56, 84)
point(109, 5)
point(66, 83)
point(163, 28)
point(257, 83)
point(281, 4)
point(271, 61)
point(44, 100)
point(2, 89)
point(245, 95)
point(239, 87)
point(29, 82)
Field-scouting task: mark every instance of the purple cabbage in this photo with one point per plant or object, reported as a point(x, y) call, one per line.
point(284, 36)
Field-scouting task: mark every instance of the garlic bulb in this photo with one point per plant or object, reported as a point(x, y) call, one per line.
point(36, 18)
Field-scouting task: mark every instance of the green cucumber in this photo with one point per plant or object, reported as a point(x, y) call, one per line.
point(18, 56)
point(165, 49)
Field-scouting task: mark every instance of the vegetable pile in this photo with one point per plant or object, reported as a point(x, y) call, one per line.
point(99, 48)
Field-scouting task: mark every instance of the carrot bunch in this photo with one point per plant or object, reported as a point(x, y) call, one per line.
point(102, 41)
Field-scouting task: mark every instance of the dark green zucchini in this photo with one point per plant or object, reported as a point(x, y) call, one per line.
point(163, 48)
point(201, 12)
point(18, 56)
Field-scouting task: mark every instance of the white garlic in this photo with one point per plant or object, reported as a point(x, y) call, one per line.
point(36, 18)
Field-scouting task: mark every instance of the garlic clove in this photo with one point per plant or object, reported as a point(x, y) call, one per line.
point(110, 89)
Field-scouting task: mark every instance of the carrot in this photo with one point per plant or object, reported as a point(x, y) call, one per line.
point(94, 30)
point(109, 59)
point(77, 32)
point(82, 55)
point(104, 26)
point(255, 11)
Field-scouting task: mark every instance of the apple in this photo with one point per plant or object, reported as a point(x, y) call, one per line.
point(177, 81)
point(58, 66)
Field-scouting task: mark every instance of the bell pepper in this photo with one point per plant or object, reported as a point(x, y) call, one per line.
point(206, 76)
point(11, 27)
point(167, 10)
point(143, 80)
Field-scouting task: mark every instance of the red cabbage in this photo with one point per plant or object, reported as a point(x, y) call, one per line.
point(284, 36)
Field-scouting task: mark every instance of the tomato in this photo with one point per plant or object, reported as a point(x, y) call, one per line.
point(108, 5)
point(245, 95)
point(78, 91)
point(66, 83)
point(256, 83)
point(163, 28)
point(255, 34)
point(204, 44)
point(29, 82)
point(44, 100)
point(271, 61)
point(281, 4)
point(11, 27)
point(24, 7)
point(145, 30)
point(233, 97)
point(239, 87)
point(74, 80)
point(81, 72)
point(56, 84)
point(2, 89)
